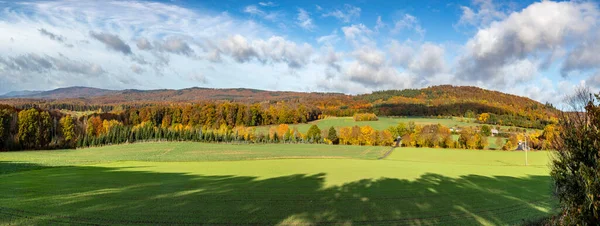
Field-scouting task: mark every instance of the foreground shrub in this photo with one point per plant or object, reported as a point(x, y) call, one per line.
point(576, 167)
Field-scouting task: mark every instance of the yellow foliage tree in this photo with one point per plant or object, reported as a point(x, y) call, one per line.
point(483, 117)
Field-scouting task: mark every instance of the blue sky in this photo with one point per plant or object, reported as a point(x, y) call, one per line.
point(542, 50)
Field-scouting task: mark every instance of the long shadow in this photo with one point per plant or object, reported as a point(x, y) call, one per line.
point(123, 196)
point(14, 167)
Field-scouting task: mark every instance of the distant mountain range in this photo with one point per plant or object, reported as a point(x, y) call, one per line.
point(430, 96)
point(22, 93)
point(60, 93)
point(105, 96)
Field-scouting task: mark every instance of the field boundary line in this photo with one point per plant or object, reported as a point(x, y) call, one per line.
point(387, 153)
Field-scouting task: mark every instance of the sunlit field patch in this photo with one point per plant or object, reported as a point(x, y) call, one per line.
point(191, 183)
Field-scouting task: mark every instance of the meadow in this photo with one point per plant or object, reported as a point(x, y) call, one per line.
point(385, 122)
point(381, 124)
point(196, 183)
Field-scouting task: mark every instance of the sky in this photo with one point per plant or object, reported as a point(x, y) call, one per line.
point(539, 49)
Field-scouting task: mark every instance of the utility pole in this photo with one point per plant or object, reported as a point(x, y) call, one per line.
point(526, 149)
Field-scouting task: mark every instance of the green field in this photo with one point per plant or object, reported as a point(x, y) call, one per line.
point(384, 123)
point(381, 124)
point(195, 183)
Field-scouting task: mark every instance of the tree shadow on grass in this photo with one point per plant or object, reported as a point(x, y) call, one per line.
point(14, 167)
point(121, 196)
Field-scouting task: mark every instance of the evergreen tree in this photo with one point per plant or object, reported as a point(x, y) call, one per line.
point(314, 134)
point(332, 136)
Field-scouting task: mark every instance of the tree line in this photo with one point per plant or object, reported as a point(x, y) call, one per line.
point(36, 128)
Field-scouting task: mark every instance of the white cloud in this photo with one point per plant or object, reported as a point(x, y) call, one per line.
point(238, 47)
point(584, 57)
point(429, 61)
point(355, 30)
point(108, 38)
point(485, 13)
point(252, 9)
point(370, 56)
point(379, 24)
point(408, 22)
point(328, 39)
point(273, 50)
point(304, 21)
point(346, 15)
point(401, 54)
point(112, 41)
point(331, 58)
point(423, 60)
point(174, 45)
point(536, 30)
point(594, 81)
point(268, 4)
point(375, 78)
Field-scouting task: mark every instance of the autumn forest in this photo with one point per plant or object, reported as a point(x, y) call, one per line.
point(210, 116)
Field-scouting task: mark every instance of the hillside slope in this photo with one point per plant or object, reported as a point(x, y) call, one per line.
point(444, 100)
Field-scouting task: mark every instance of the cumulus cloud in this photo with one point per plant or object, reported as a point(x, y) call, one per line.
point(304, 21)
point(55, 37)
point(408, 22)
point(593, 81)
point(144, 44)
point(355, 30)
point(535, 30)
point(401, 54)
point(358, 35)
point(370, 56)
point(424, 60)
point(430, 60)
point(238, 48)
point(331, 58)
point(369, 70)
point(346, 15)
point(484, 13)
point(175, 45)
point(277, 49)
point(376, 77)
point(112, 42)
point(584, 57)
point(379, 24)
point(273, 50)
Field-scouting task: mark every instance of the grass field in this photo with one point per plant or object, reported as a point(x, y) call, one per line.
point(384, 123)
point(194, 183)
point(381, 124)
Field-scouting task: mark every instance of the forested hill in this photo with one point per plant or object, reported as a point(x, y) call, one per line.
point(444, 94)
point(445, 100)
point(435, 95)
point(86, 95)
point(467, 96)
